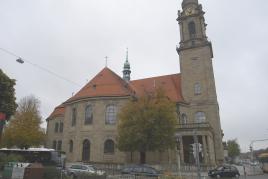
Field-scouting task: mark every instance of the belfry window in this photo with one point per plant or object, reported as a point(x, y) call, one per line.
point(192, 30)
point(200, 117)
point(88, 115)
point(109, 146)
point(197, 89)
point(110, 117)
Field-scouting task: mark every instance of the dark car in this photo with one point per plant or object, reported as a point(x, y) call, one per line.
point(140, 170)
point(224, 171)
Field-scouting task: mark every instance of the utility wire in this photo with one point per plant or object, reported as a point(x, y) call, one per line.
point(40, 67)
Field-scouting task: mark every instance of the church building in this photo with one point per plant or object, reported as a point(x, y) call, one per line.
point(85, 126)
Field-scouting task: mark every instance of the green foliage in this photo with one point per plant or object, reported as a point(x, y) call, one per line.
point(7, 98)
point(233, 148)
point(147, 124)
point(24, 130)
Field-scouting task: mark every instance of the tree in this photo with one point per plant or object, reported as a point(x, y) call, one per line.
point(233, 148)
point(147, 124)
point(7, 99)
point(24, 129)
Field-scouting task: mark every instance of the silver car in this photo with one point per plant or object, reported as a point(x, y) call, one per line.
point(80, 169)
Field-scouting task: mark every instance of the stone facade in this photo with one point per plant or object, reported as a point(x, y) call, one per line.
point(193, 90)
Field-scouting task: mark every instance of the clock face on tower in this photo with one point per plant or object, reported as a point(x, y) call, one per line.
point(189, 11)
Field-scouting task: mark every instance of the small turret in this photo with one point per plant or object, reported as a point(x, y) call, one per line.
point(126, 69)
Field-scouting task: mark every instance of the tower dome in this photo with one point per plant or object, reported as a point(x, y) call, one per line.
point(126, 69)
point(186, 2)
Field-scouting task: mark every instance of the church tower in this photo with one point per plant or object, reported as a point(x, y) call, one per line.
point(126, 69)
point(197, 77)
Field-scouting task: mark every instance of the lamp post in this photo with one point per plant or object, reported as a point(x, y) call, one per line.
point(178, 140)
point(196, 145)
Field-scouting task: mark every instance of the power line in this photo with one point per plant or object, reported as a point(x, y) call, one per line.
point(21, 60)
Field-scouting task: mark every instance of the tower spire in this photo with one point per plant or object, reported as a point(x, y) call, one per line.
point(126, 69)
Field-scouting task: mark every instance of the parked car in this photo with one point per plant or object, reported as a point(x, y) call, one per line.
point(80, 169)
point(140, 170)
point(224, 171)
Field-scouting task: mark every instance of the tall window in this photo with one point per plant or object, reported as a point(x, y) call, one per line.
point(109, 146)
point(197, 89)
point(54, 145)
point(110, 114)
point(59, 145)
point(86, 150)
point(200, 117)
point(192, 30)
point(56, 127)
point(61, 127)
point(74, 116)
point(88, 114)
point(71, 146)
point(183, 119)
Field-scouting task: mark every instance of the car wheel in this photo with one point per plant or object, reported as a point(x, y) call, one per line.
point(218, 176)
point(236, 176)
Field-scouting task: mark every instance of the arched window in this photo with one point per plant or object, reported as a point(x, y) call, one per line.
point(110, 117)
point(56, 127)
point(183, 119)
point(86, 150)
point(59, 145)
point(88, 114)
point(200, 117)
point(61, 127)
point(197, 89)
point(73, 116)
point(54, 145)
point(109, 146)
point(192, 30)
point(71, 146)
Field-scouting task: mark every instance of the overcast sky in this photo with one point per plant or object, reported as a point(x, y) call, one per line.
point(72, 37)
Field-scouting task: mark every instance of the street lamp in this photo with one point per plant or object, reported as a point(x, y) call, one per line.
point(19, 60)
point(178, 140)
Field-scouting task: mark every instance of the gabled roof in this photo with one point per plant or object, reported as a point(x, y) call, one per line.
point(108, 84)
point(105, 84)
point(171, 84)
point(58, 111)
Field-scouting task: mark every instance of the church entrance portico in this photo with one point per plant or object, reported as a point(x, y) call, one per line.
point(204, 142)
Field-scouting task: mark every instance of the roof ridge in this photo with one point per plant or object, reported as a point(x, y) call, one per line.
point(156, 77)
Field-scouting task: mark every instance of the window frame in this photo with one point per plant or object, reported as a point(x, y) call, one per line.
point(56, 128)
point(200, 117)
point(74, 116)
point(197, 88)
point(71, 146)
point(109, 147)
point(111, 114)
point(59, 145)
point(88, 120)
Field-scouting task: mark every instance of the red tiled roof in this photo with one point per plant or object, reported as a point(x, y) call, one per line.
point(58, 111)
point(108, 84)
point(171, 84)
point(105, 83)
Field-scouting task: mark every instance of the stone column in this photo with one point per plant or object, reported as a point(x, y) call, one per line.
point(211, 153)
point(181, 149)
point(205, 151)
